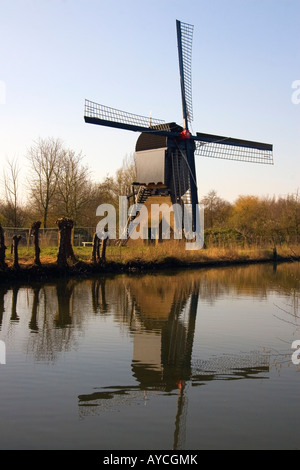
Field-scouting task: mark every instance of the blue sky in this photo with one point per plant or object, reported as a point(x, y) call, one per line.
point(123, 54)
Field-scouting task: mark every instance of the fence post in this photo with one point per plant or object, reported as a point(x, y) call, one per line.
point(96, 249)
point(103, 250)
point(65, 250)
point(34, 232)
point(14, 248)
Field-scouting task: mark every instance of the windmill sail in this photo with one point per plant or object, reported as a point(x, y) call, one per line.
point(167, 150)
point(228, 148)
point(95, 113)
point(184, 42)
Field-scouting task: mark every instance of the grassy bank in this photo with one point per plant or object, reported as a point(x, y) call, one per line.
point(138, 259)
point(163, 253)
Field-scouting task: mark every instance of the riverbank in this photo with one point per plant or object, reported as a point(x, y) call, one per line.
point(140, 259)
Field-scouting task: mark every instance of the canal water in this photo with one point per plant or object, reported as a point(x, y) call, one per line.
point(191, 360)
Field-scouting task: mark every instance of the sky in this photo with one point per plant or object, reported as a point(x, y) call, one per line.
point(54, 54)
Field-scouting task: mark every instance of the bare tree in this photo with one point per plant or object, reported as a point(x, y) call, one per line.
point(12, 210)
point(216, 210)
point(45, 157)
point(126, 175)
point(3, 264)
point(73, 186)
point(99, 193)
point(292, 216)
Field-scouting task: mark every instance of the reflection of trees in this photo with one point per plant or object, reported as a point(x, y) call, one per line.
point(99, 303)
point(33, 324)
point(3, 292)
point(50, 316)
point(64, 290)
point(159, 311)
point(14, 316)
point(148, 306)
point(289, 312)
point(254, 280)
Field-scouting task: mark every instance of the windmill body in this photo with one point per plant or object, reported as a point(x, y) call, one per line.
point(162, 165)
point(165, 152)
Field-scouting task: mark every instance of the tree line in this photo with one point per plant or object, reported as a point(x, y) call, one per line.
point(252, 219)
point(59, 184)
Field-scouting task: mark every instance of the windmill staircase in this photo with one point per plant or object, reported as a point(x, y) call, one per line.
point(143, 194)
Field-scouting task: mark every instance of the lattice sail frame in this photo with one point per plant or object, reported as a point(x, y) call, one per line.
point(186, 40)
point(105, 113)
point(222, 150)
point(206, 145)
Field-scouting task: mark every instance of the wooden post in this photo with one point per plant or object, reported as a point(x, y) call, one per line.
point(103, 250)
point(3, 264)
point(34, 232)
point(14, 249)
point(96, 249)
point(94, 259)
point(65, 250)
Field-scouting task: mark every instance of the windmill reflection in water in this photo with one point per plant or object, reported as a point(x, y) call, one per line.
point(161, 317)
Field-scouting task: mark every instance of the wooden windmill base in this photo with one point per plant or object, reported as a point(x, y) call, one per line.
point(153, 235)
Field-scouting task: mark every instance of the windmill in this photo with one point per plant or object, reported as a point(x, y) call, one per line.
point(165, 152)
